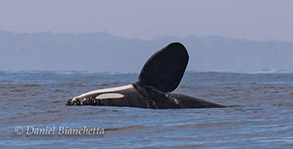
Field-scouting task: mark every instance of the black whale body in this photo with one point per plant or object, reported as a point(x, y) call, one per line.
point(160, 75)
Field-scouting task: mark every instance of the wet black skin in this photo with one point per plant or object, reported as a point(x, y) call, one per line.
point(160, 75)
point(146, 98)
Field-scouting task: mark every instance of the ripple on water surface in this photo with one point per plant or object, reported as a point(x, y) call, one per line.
point(259, 113)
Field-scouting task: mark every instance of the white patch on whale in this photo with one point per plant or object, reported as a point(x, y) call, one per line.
point(107, 90)
point(110, 96)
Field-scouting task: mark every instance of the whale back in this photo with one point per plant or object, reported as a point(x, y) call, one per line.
point(164, 69)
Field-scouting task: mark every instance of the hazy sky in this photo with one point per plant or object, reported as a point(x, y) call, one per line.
point(249, 19)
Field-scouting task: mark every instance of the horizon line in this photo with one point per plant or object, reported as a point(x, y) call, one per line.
point(153, 38)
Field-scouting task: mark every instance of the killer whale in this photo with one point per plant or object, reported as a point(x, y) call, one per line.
point(160, 75)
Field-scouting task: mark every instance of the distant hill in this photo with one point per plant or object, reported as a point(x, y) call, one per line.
point(102, 52)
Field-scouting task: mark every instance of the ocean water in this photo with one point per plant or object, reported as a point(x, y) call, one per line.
point(260, 112)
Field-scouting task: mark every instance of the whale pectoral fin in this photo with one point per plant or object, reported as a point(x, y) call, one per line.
point(164, 70)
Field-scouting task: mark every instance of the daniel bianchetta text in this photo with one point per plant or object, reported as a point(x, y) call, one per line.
point(59, 130)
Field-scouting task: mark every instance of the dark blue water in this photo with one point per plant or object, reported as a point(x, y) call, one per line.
point(260, 113)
